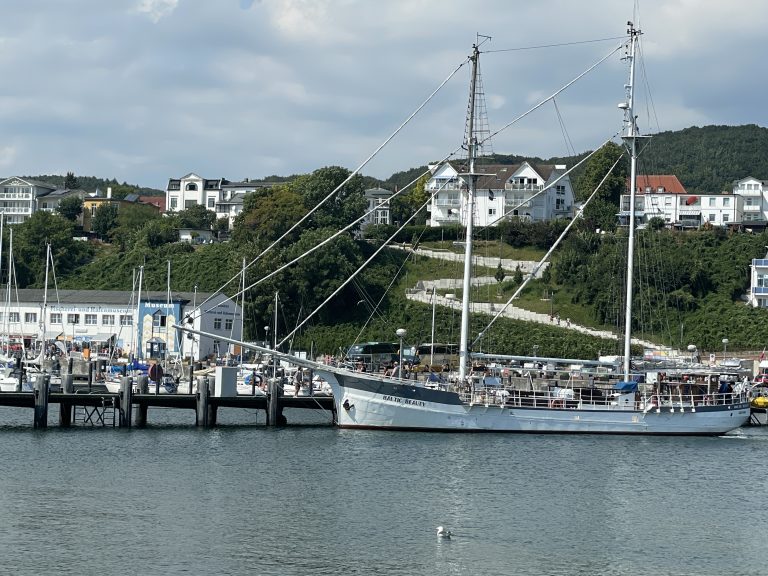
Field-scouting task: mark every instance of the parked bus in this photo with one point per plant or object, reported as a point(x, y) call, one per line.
point(375, 355)
point(435, 354)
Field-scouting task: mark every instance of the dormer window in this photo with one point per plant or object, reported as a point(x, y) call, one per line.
point(191, 186)
point(648, 189)
point(660, 190)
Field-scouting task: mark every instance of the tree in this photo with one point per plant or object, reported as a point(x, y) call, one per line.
point(597, 167)
point(343, 208)
point(268, 214)
point(500, 274)
point(29, 247)
point(405, 204)
point(70, 182)
point(197, 216)
point(221, 227)
point(70, 207)
point(517, 277)
point(104, 220)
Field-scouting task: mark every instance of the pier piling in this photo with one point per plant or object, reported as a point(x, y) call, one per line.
point(41, 401)
point(203, 396)
point(141, 409)
point(65, 408)
point(126, 401)
point(275, 407)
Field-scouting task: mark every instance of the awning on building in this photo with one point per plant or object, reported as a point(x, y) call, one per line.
point(102, 337)
point(52, 334)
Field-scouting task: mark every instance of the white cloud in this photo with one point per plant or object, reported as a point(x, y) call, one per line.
point(156, 9)
point(241, 88)
point(7, 156)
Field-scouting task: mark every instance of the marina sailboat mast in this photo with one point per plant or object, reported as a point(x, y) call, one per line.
point(469, 216)
point(630, 138)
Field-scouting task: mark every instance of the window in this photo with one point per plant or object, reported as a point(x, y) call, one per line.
point(174, 202)
point(73, 318)
point(158, 320)
point(13, 317)
point(725, 218)
point(712, 202)
point(55, 317)
point(217, 323)
point(191, 186)
point(93, 211)
point(726, 202)
point(211, 202)
point(108, 320)
point(30, 317)
point(126, 320)
point(748, 201)
point(491, 211)
point(90, 320)
point(711, 218)
point(228, 324)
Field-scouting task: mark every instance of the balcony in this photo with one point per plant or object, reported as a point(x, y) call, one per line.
point(444, 186)
point(450, 202)
point(533, 187)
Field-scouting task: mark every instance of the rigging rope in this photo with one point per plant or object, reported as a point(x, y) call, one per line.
point(549, 252)
point(351, 175)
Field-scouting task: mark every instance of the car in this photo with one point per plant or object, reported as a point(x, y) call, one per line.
point(761, 378)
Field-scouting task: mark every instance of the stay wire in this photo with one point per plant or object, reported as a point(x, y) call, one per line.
point(351, 175)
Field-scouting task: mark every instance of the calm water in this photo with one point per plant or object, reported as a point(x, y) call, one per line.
point(315, 500)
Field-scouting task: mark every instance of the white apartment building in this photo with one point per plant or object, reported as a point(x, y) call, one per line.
point(663, 196)
point(218, 195)
point(755, 195)
point(758, 284)
point(503, 191)
point(378, 207)
point(21, 197)
point(107, 319)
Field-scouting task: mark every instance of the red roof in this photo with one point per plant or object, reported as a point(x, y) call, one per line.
point(156, 201)
point(667, 182)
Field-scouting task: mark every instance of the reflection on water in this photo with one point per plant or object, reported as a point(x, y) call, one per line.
point(243, 499)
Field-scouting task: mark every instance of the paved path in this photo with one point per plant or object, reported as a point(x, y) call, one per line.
point(526, 266)
point(423, 293)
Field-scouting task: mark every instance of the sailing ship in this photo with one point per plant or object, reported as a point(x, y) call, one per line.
point(666, 405)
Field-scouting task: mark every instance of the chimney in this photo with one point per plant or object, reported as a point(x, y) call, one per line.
point(109, 192)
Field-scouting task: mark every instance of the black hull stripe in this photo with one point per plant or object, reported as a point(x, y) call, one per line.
point(406, 391)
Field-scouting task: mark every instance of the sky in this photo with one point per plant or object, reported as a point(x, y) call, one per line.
point(147, 90)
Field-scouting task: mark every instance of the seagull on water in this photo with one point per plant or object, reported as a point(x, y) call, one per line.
point(443, 533)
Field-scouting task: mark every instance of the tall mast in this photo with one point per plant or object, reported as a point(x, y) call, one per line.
point(45, 295)
point(472, 153)
point(136, 350)
point(630, 141)
point(242, 315)
point(167, 312)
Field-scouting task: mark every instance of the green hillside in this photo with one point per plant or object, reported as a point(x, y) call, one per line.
point(697, 280)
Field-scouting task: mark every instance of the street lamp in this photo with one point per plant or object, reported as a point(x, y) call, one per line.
point(266, 336)
point(401, 332)
point(692, 350)
point(725, 347)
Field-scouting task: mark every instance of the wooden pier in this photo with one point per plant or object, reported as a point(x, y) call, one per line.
point(129, 407)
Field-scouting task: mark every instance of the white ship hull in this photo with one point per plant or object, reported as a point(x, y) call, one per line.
point(375, 402)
